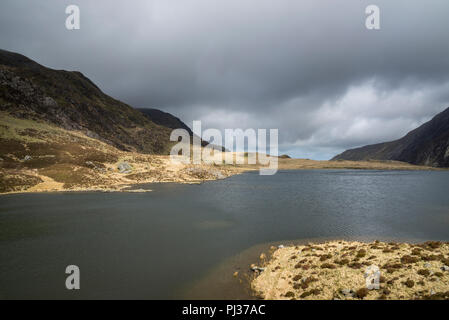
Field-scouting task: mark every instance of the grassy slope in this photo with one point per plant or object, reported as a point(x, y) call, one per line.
point(324, 271)
point(69, 160)
point(78, 104)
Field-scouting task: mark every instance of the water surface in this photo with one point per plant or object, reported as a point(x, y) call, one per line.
point(160, 244)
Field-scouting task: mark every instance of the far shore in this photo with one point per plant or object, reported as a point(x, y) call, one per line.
point(147, 169)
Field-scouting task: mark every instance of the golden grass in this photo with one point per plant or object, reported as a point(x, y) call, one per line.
point(298, 272)
point(75, 161)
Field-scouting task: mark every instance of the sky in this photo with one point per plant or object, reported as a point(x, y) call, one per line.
point(309, 68)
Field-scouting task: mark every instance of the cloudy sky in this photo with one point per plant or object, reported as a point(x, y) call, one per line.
point(307, 67)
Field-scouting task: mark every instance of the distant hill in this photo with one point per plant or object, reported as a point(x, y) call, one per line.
point(71, 101)
point(168, 120)
point(165, 119)
point(59, 131)
point(426, 145)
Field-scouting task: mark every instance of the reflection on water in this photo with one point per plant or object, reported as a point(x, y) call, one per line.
point(158, 244)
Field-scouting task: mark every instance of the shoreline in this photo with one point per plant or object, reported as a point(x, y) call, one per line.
point(231, 279)
point(203, 173)
point(119, 188)
point(329, 269)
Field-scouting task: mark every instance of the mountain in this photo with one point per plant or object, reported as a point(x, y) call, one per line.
point(71, 101)
point(168, 120)
point(59, 131)
point(426, 145)
point(165, 119)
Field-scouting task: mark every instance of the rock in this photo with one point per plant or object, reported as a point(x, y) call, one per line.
point(280, 246)
point(432, 292)
point(1, 159)
point(348, 293)
point(445, 268)
point(427, 265)
point(235, 274)
point(205, 173)
point(27, 158)
point(256, 268)
point(49, 102)
point(90, 164)
point(124, 167)
point(263, 256)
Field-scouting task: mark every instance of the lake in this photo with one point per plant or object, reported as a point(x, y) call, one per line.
point(169, 243)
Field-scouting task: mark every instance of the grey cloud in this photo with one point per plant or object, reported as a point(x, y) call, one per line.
point(299, 66)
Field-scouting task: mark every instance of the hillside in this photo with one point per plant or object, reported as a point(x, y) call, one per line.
point(165, 119)
point(168, 120)
point(426, 145)
point(59, 131)
point(71, 101)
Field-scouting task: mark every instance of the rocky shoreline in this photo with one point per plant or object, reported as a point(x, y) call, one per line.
point(123, 176)
point(338, 270)
point(134, 169)
point(40, 157)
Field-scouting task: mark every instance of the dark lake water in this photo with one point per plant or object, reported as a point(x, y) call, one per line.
point(159, 244)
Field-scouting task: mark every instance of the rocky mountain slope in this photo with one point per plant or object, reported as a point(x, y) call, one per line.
point(71, 101)
point(165, 119)
point(168, 120)
point(36, 156)
point(427, 145)
point(59, 131)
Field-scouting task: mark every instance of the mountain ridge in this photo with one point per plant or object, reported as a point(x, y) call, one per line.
point(70, 100)
point(426, 145)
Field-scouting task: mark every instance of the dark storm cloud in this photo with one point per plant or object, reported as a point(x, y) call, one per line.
point(309, 68)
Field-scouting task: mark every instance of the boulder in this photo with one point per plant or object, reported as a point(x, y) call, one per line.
point(124, 167)
point(90, 164)
point(348, 293)
point(205, 173)
point(257, 269)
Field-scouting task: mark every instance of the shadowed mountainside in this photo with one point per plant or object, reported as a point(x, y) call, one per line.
point(71, 101)
point(170, 121)
point(60, 132)
point(426, 145)
point(165, 119)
